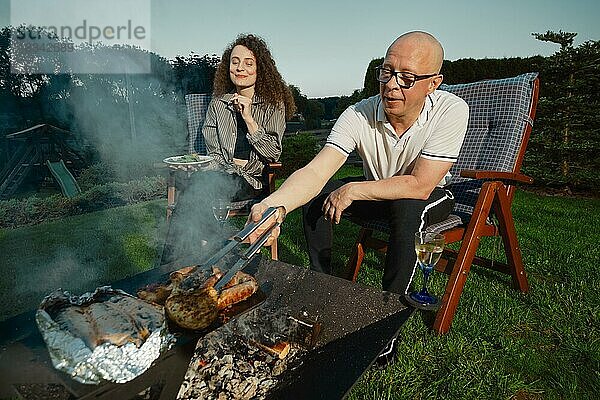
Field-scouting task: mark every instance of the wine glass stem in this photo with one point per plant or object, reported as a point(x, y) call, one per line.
point(425, 279)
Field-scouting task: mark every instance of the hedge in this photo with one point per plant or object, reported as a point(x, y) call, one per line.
point(298, 150)
point(34, 210)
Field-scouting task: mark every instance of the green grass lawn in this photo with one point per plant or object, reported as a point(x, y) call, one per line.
point(502, 344)
point(77, 253)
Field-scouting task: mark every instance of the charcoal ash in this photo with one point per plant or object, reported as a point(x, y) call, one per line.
point(230, 362)
point(232, 369)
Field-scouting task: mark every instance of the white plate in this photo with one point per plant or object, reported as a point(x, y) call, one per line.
point(184, 160)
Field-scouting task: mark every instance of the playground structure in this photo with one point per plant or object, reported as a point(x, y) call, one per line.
point(38, 152)
point(64, 177)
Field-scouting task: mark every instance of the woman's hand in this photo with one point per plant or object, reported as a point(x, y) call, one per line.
point(243, 105)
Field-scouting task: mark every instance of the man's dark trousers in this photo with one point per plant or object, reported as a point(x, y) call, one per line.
point(405, 216)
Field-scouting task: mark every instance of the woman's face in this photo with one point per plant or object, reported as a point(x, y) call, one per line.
point(242, 67)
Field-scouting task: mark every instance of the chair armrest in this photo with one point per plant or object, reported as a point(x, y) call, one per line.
point(271, 170)
point(511, 177)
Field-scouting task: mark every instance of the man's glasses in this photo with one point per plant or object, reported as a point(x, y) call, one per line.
point(405, 80)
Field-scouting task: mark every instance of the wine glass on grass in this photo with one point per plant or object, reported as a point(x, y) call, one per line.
point(429, 247)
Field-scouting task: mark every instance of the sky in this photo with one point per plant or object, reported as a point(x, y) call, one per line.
point(324, 46)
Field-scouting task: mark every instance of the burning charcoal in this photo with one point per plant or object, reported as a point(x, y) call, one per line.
point(304, 331)
point(212, 384)
point(266, 384)
point(232, 385)
point(228, 363)
point(244, 367)
point(201, 391)
point(252, 385)
point(226, 372)
point(227, 359)
point(279, 350)
point(279, 368)
point(202, 364)
point(242, 388)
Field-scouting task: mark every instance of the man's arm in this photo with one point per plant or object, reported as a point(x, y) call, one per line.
point(303, 185)
point(419, 184)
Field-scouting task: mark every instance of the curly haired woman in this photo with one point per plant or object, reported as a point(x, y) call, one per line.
point(245, 120)
point(243, 129)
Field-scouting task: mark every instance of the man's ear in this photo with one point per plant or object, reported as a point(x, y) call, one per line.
point(435, 83)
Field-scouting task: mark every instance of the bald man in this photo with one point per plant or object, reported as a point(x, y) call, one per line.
point(408, 137)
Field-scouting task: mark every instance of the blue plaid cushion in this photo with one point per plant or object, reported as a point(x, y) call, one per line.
point(196, 104)
point(498, 114)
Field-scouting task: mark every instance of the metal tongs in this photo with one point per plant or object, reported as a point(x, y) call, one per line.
point(247, 256)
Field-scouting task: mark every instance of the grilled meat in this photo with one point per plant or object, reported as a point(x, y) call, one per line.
point(195, 309)
point(239, 288)
point(195, 304)
point(159, 292)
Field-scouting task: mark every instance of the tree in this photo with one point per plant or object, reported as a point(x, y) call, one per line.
point(347, 101)
point(128, 119)
point(568, 133)
point(565, 39)
point(371, 85)
point(300, 100)
point(195, 73)
point(312, 110)
point(329, 106)
point(314, 114)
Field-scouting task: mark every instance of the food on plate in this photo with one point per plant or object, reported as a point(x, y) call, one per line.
point(188, 158)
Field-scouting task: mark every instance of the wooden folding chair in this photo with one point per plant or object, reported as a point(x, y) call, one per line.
point(196, 105)
point(484, 177)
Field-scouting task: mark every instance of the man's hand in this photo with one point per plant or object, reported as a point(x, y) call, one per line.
point(337, 202)
point(256, 214)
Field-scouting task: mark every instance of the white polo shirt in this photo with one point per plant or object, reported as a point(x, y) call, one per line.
point(437, 134)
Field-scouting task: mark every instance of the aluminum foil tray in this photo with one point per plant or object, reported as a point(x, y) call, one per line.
point(106, 362)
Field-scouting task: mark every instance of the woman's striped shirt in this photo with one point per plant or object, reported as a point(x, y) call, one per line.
point(220, 134)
